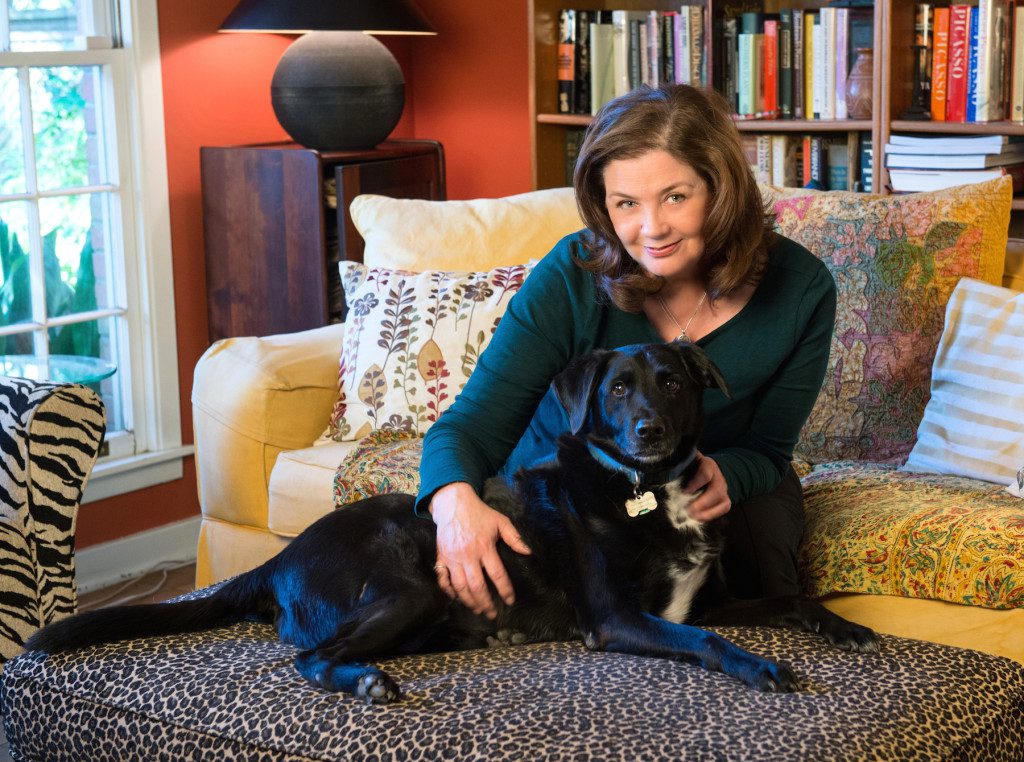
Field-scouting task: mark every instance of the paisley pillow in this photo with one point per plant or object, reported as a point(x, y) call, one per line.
point(874, 529)
point(383, 463)
point(411, 342)
point(896, 260)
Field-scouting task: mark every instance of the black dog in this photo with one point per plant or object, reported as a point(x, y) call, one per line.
point(616, 561)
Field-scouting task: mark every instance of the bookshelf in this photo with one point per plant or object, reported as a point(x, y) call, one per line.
point(892, 86)
point(549, 128)
point(895, 18)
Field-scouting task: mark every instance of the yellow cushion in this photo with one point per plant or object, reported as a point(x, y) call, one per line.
point(481, 234)
point(874, 529)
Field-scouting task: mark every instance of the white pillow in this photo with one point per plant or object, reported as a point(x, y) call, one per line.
point(411, 342)
point(471, 236)
point(973, 424)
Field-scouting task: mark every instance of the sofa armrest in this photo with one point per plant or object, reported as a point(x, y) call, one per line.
point(253, 398)
point(51, 436)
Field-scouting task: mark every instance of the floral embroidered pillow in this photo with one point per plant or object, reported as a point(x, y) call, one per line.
point(896, 260)
point(411, 342)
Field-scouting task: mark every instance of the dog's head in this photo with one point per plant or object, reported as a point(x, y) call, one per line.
point(642, 403)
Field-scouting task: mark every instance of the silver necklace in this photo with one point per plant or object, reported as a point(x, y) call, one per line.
point(683, 335)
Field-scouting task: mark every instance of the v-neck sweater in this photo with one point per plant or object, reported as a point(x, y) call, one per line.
point(772, 354)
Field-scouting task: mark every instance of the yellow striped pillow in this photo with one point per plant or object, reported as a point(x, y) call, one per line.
point(973, 424)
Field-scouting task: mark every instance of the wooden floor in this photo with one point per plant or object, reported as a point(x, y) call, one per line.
point(156, 588)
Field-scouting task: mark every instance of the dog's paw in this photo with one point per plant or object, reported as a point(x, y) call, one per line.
point(773, 677)
point(851, 637)
point(376, 687)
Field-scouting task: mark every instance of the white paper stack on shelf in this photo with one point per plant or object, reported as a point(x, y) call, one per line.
point(918, 163)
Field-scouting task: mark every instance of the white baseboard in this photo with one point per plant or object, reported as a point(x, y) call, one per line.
point(108, 563)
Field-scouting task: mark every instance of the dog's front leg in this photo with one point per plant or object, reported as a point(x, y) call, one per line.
point(611, 621)
point(648, 635)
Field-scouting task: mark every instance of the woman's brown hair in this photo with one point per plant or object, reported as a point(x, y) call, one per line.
point(694, 126)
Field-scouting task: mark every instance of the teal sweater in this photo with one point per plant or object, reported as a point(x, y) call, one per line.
point(773, 355)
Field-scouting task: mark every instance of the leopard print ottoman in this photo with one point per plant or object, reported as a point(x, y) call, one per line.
point(233, 693)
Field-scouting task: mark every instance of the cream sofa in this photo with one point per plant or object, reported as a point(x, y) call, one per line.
point(261, 406)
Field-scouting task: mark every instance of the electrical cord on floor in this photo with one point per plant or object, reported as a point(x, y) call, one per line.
point(163, 567)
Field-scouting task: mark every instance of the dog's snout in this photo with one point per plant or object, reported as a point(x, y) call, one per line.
point(650, 429)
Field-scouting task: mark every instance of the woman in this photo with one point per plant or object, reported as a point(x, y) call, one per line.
point(678, 244)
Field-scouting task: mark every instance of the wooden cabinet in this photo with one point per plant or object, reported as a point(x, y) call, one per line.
point(275, 219)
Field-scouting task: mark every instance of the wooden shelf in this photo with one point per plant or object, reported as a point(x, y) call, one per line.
point(743, 125)
point(803, 125)
point(959, 128)
point(566, 120)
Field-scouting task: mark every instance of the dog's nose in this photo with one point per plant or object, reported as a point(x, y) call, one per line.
point(650, 429)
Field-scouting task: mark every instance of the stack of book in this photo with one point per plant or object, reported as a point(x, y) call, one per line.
point(918, 163)
point(604, 54)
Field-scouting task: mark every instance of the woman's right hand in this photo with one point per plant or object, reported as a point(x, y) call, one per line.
point(468, 531)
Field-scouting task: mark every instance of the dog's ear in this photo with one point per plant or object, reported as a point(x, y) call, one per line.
point(701, 368)
point(575, 385)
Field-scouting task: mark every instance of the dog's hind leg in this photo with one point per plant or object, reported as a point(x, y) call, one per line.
point(387, 625)
point(797, 613)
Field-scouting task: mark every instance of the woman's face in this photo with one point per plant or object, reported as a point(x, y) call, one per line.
point(657, 205)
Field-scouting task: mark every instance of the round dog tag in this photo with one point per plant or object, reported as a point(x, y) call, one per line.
point(638, 506)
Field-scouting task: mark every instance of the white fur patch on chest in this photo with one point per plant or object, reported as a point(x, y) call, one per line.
point(685, 584)
point(676, 504)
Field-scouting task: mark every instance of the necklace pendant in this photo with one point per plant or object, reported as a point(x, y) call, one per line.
point(684, 337)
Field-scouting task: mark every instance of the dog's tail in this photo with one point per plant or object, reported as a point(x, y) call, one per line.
point(244, 595)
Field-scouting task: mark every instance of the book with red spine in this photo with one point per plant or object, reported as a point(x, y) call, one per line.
point(771, 68)
point(956, 80)
point(805, 165)
point(567, 61)
point(940, 63)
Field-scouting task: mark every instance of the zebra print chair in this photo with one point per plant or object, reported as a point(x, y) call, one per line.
point(50, 435)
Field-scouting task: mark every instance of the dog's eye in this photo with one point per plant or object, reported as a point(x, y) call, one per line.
point(618, 388)
point(671, 385)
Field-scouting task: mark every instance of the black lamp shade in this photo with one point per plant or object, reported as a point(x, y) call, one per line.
point(374, 16)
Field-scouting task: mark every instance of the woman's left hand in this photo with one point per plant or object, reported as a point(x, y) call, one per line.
point(714, 500)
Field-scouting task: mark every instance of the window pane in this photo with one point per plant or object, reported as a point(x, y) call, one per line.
point(45, 24)
point(64, 117)
point(90, 339)
point(12, 150)
point(15, 283)
point(76, 257)
point(12, 346)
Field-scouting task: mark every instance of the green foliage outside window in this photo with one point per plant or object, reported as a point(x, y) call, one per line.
point(61, 298)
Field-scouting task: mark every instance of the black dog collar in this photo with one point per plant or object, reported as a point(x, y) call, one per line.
point(642, 478)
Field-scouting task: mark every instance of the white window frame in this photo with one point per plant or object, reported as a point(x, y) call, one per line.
point(148, 277)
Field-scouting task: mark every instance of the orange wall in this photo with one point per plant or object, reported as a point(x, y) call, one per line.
point(466, 87)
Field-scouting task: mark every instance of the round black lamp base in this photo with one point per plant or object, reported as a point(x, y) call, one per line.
point(338, 91)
